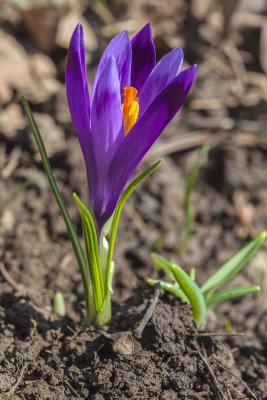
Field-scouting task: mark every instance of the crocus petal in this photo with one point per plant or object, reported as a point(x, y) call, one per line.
point(164, 72)
point(120, 49)
point(77, 88)
point(79, 103)
point(143, 56)
point(106, 113)
point(144, 133)
point(106, 128)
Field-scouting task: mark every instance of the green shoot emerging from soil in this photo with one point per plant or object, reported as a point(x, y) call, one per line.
point(203, 298)
point(114, 139)
point(97, 268)
point(59, 304)
point(190, 183)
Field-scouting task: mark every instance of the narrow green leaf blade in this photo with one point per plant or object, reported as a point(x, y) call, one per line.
point(92, 250)
point(229, 269)
point(70, 228)
point(192, 291)
point(162, 263)
point(117, 213)
point(228, 294)
point(59, 304)
point(193, 274)
point(103, 317)
point(92, 265)
point(172, 288)
point(187, 201)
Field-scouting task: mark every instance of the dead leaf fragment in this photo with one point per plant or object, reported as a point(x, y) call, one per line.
point(200, 8)
point(245, 211)
point(41, 23)
point(124, 345)
point(28, 75)
point(14, 68)
point(43, 65)
point(11, 120)
point(45, 71)
point(122, 342)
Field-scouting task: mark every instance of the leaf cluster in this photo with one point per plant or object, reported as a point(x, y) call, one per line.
point(208, 295)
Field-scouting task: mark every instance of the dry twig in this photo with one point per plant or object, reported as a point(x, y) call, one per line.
point(72, 389)
point(8, 277)
point(240, 379)
point(21, 374)
point(215, 380)
point(148, 315)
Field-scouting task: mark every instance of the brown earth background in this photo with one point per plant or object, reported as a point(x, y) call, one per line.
point(44, 356)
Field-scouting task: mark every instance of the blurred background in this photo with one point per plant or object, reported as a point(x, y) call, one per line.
point(225, 109)
point(227, 39)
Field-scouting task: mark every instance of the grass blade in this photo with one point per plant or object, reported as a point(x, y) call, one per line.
point(162, 263)
point(91, 243)
point(172, 288)
point(229, 269)
point(59, 306)
point(117, 213)
point(70, 228)
point(192, 291)
point(230, 293)
point(187, 201)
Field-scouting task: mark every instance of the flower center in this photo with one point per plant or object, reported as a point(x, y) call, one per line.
point(130, 108)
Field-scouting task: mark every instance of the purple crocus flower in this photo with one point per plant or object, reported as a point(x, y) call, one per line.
point(133, 99)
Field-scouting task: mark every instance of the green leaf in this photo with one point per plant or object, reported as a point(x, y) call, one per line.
point(103, 317)
point(187, 201)
point(59, 304)
point(117, 213)
point(227, 325)
point(158, 243)
point(172, 288)
point(228, 270)
point(63, 209)
point(162, 263)
point(187, 289)
point(193, 274)
point(192, 291)
point(228, 294)
point(91, 244)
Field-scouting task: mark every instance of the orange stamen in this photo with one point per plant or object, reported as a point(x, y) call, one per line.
point(130, 108)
